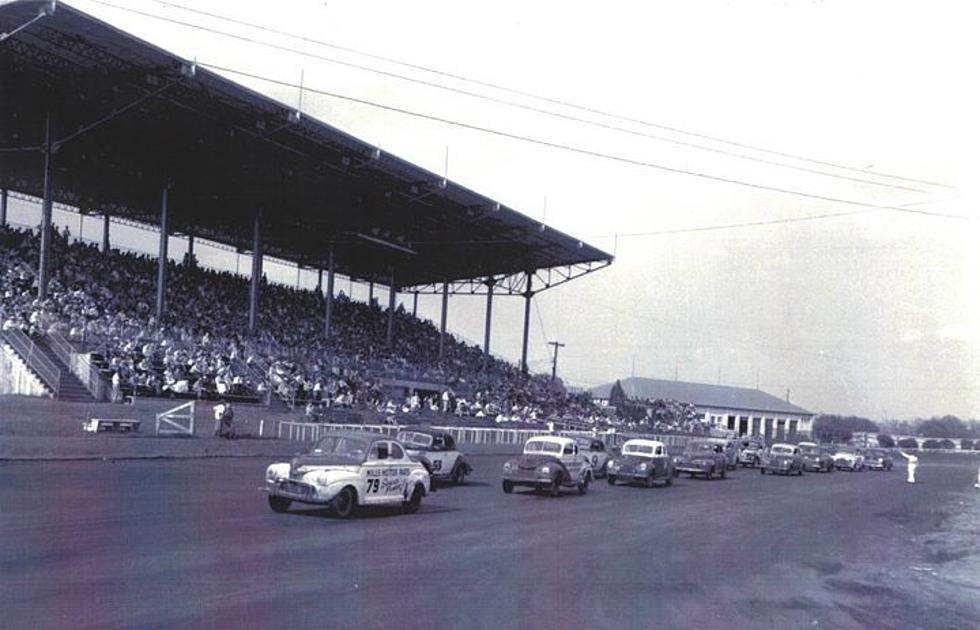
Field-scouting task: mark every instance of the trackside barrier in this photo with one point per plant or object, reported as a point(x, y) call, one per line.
point(488, 436)
point(177, 421)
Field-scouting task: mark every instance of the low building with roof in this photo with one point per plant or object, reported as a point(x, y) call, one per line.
point(739, 409)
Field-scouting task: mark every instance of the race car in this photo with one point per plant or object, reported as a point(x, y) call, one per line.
point(849, 458)
point(548, 464)
point(346, 469)
point(594, 450)
point(644, 461)
point(729, 448)
point(702, 456)
point(436, 450)
point(878, 459)
point(816, 458)
point(751, 454)
point(782, 458)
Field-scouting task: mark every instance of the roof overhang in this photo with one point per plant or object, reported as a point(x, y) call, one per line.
point(129, 119)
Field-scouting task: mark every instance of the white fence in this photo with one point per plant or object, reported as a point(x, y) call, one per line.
point(481, 436)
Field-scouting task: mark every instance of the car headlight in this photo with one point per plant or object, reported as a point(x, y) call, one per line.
point(644, 466)
point(508, 466)
point(544, 470)
point(270, 474)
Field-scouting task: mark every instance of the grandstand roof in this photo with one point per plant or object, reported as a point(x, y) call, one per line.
point(129, 117)
point(702, 395)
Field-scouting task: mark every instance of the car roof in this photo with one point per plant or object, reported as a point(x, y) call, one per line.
point(783, 444)
point(427, 430)
point(552, 438)
point(643, 442)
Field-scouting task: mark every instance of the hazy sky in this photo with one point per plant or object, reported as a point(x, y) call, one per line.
point(873, 313)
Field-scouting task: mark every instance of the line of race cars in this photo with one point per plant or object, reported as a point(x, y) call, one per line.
point(347, 469)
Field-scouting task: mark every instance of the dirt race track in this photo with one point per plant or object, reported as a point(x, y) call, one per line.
point(182, 544)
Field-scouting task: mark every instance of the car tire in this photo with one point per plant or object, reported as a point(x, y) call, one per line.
point(762, 470)
point(611, 480)
point(459, 476)
point(554, 489)
point(508, 486)
point(279, 504)
point(799, 472)
point(648, 482)
point(677, 473)
point(669, 480)
point(415, 501)
point(583, 486)
point(710, 473)
point(724, 472)
point(344, 503)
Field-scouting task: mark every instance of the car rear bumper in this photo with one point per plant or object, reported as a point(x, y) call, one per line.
point(692, 469)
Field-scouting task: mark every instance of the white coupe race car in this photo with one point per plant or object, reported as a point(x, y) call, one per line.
point(348, 469)
point(436, 450)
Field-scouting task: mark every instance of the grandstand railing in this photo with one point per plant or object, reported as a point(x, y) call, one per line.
point(80, 364)
point(34, 357)
point(489, 436)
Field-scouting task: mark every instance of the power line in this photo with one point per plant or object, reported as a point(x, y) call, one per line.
point(522, 105)
point(532, 95)
point(579, 150)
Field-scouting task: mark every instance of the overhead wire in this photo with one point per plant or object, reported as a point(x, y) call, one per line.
point(575, 149)
point(539, 97)
point(862, 180)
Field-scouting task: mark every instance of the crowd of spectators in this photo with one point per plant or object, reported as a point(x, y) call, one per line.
point(203, 347)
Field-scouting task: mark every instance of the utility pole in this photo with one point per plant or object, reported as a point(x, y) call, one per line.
point(554, 360)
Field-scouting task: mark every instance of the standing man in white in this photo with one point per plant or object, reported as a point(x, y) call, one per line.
point(913, 464)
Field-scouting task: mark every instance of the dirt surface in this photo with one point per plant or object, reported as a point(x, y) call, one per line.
point(193, 544)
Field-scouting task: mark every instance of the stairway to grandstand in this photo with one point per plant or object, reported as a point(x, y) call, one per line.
point(42, 360)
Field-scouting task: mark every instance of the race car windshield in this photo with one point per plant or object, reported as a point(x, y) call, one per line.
point(542, 447)
point(782, 450)
point(411, 438)
point(638, 449)
point(341, 446)
point(810, 450)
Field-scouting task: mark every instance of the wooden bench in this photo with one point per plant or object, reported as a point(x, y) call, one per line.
point(118, 425)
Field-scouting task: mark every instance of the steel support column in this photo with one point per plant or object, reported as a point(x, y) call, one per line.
point(105, 233)
point(3, 207)
point(442, 321)
point(319, 280)
point(42, 271)
point(486, 325)
point(528, 294)
point(328, 308)
point(191, 261)
point(392, 293)
point(415, 304)
point(162, 260)
point(253, 298)
point(371, 293)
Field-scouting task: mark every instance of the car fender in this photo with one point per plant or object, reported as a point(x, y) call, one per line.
point(279, 470)
point(418, 475)
point(328, 483)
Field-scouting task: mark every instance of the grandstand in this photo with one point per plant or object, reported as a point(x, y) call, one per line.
point(103, 122)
